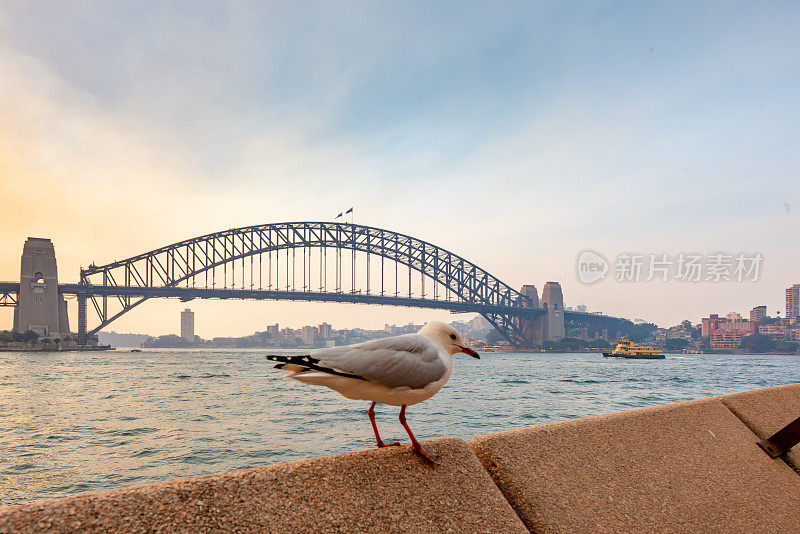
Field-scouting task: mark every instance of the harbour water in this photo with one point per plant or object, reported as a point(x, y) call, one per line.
point(75, 422)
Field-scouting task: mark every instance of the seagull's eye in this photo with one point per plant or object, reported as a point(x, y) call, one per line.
point(453, 337)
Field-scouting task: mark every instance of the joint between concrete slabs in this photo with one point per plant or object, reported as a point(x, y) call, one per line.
point(765, 411)
point(755, 434)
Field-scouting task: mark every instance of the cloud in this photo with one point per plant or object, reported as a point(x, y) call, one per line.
point(515, 137)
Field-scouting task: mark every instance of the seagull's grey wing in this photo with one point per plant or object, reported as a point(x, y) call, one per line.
point(410, 360)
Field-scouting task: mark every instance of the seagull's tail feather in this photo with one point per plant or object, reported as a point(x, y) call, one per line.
point(304, 363)
point(290, 361)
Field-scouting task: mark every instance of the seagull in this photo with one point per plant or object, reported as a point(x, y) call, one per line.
point(399, 371)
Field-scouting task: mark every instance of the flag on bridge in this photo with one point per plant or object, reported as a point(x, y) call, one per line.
point(349, 211)
point(337, 216)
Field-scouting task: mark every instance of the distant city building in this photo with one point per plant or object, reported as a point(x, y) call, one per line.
point(289, 334)
point(410, 328)
point(793, 334)
point(679, 332)
point(581, 308)
point(773, 330)
point(758, 313)
point(709, 325)
point(309, 335)
point(273, 330)
point(793, 304)
point(739, 325)
point(733, 323)
point(726, 340)
point(660, 336)
point(325, 331)
point(479, 324)
point(187, 324)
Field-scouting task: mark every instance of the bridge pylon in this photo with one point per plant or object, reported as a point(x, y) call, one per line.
point(82, 318)
point(529, 326)
point(552, 323)
point(40, 306)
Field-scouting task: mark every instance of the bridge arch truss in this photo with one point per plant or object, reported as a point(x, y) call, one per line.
point(316, 261)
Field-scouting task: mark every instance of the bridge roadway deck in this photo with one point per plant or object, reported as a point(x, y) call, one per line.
point(186, 294)
point(9, 287)
point(190, 293)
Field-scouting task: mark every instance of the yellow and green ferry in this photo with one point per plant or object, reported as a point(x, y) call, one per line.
point(629, 349)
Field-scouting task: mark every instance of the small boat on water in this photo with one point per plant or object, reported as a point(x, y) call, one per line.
point(629, 349)
point(136, 350)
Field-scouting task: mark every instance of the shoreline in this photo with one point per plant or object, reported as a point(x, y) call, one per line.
point(54, 349)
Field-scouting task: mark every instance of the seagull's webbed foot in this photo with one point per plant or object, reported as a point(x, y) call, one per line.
point(382, 444)
point(429, 457)
point(418, 448)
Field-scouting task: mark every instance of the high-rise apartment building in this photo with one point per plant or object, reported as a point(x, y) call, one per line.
point(187, 324)
point(758, 313)
point(793, 304)
point(309, 335)
point(325, 331)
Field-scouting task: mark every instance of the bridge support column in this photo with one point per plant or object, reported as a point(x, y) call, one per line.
point(40, 306)
point(530, 327)
point(552, 323)
point(82, 319)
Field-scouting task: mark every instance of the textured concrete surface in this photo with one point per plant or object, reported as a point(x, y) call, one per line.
point(765, 411)
point(687, 467)
point(386, 490)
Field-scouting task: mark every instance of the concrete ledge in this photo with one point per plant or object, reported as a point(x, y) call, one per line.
point(765, 411)
point(689, 467)
point(386, 490)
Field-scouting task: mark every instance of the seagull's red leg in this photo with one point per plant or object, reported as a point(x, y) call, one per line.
point(427, 456)
point(371, 413)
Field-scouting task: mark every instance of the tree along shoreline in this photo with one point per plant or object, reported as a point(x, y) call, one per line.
point(75, 348)
point(30, 341)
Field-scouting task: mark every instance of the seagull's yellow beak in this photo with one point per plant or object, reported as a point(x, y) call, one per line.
point(467, 350)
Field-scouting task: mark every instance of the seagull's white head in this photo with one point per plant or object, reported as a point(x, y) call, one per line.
point(446, 336)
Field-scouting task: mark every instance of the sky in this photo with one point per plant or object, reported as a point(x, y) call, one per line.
point(515, 134)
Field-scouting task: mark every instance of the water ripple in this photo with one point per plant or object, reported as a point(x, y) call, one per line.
point(77, 422)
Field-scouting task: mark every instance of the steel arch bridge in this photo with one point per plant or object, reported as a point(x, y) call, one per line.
point(290, 261)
